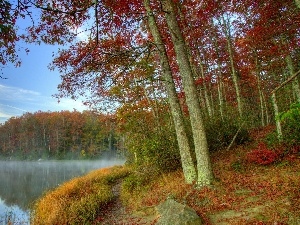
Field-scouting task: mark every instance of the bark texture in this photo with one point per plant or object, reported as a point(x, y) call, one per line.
point(204, 170)
point(183, 143)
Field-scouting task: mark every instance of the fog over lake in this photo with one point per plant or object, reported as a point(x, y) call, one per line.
point(22, 182)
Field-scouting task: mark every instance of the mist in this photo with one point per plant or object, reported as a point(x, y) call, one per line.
point(22, 182)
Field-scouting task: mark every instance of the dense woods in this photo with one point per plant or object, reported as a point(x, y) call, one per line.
point(180, 77)
point(63, 135)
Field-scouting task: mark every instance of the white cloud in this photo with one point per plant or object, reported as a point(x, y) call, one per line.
point(11, 93)
point(7, 111)
point(65, 104)
point(4, 116)
point(15, 101)
point(82, 34)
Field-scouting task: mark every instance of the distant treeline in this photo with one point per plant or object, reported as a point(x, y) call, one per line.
point(62, 134)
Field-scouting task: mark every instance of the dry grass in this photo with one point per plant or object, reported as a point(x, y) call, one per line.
point(79, 200)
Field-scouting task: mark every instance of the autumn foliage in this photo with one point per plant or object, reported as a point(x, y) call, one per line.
point(238, 52)
point(62, 134)
point(252, 195)
point(262, 155)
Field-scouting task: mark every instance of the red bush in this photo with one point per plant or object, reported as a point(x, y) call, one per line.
point(262, 155)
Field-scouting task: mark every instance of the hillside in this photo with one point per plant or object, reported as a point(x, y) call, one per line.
point(243, 193)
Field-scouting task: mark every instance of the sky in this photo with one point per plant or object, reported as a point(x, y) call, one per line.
point(29, 88)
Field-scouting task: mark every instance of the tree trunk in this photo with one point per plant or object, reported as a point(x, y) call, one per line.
point(260, 93)
point(182, 138)
point(208, 105)
point(295, 83)
point(220, 89)
point(220, 78)
point(204, 169)
point(266, 108)
point(233, 70)
point(276, 112)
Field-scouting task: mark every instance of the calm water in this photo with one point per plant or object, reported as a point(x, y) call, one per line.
point(23, 182)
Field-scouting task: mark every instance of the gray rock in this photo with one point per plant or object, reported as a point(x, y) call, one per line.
point(174, 213)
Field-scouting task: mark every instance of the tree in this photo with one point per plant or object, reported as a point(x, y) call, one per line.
point(241, 49)
point(8, 33)
point(204, 169)
point(58, 134)
point(182, 138)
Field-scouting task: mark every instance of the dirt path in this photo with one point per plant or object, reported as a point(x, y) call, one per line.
point(116, 213)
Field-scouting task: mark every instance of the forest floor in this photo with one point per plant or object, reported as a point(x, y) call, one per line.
point(242, 193)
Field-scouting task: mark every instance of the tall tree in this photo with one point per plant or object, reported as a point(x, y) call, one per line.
point(204, 169)
point(183, 143)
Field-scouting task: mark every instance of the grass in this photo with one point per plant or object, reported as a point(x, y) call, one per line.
point(79, 200)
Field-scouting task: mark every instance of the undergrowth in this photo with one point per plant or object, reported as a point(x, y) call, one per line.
point(263, 191)
point(79, 200)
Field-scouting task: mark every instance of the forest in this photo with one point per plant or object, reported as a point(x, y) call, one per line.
point(59, 135)
point(179, 79)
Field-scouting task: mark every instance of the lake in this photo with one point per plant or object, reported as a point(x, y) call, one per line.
point(22, 182)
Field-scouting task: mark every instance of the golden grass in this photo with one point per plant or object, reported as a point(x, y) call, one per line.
point(79, 200)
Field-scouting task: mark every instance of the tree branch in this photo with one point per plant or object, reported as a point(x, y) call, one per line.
point(285, 82)
point(73, 12)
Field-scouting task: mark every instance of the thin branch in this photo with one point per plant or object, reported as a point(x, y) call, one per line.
point(235, 136)
point(285, 82)
point(73, 12)
point(4, 78)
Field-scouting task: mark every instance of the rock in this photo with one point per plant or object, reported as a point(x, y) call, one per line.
point(174, 213)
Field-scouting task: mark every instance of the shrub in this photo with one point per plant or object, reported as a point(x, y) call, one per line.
point(271, 140)
point(140, 178)
point(290, 124)
point(160, 150)
point(262, 155)
point(291, 132)
point(238, 166)
point(220, 133)
point(151, 140)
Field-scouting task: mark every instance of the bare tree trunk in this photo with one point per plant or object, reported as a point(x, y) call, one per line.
point(276, 112)
point(208, 105)
point(183, 143)
point(219, 79)
point(220, 90)
point(266, 108)
point(196, 74)
point(295, 83)
point(260, 94)
point(205, 175)
point(233, 70)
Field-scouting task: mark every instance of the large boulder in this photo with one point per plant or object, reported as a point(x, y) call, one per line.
point(174, 213)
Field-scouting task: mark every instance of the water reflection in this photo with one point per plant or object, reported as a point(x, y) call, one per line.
point(13, 215)
point(23, 182)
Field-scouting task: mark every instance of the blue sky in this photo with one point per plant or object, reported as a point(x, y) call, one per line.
point(29, 88)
